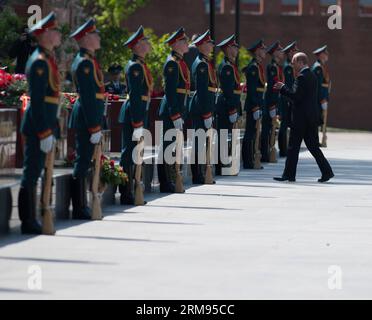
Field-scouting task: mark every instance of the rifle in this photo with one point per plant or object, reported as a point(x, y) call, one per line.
point(257, 149)
point(138, 196)
point(46, 210)
point(273, 140)
point(324, 129)
point(179, 180)
point(208, 172)
point(95, 194)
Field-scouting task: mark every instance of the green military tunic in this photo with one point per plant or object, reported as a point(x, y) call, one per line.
point(133, 113)
point(274, 73)
point(324, 83)
point(87, 113)
point(255, 82)
point(228, 101)
point(40, 118)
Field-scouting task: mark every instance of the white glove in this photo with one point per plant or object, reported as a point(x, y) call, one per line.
point(272, 113)
point(137, 134)
point(46, 144)
point(178, 124)
point(233, 117)
point(257, 115)
point(208, 122)
point(324, 106)
point(96, 137)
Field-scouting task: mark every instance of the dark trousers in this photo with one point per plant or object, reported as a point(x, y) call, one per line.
point(34, 161)
point(223, 122)
point(196, 168)
point(164, 174)
point(84, 154)
point(248, 141)
point(310, 135)
point(265, 136)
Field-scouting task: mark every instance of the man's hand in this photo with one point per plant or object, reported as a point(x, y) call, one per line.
point(257, 115)
point(46, 144)
point(278, 86)
point(137, 134)
point(233, 117)
point(178, 124)
point(324, 106)
point(208, 122)
point(95, 138)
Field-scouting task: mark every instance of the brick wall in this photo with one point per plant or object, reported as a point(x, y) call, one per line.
point(350, 62)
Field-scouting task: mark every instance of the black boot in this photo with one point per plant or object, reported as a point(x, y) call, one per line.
point(126, 191)
point(79, 199)
point(197, 176)
point(27, 211)
point(248, 160)
point(166, 184)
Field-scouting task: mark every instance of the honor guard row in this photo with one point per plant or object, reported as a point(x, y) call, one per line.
point(215, 102)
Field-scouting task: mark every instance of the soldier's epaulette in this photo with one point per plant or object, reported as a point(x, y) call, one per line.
point(317, 65)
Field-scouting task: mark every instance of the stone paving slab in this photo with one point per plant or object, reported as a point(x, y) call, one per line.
point(247, 237)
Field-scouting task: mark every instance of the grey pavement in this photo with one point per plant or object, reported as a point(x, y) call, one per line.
point(247, 237)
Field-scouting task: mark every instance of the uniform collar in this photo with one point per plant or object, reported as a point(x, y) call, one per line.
point(176, 55)
point(138, 58)
point(203, 57)
point(47, 52)
point(84, 51)
point(229, 61)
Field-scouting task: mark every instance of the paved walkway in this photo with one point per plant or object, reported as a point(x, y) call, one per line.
point(246, 237)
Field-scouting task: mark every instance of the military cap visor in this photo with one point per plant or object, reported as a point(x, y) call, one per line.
point(291, 46)
point(47, 23)
point(257, 45)
point(205, 37)
point(115, 69)
point(274, 47)
point(86, 28)
point(177, 36)
point(320, 50)
point(135, 38)
point(230, 41)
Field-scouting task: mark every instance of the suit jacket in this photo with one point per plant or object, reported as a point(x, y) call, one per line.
point(304, 95)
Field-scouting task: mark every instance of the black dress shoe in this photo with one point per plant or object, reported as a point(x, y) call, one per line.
point(326, 178)
point(126, 200)
point(167, 188)
point(282, 179)
point(81, 215)
point(198, 181)
point(31, 227)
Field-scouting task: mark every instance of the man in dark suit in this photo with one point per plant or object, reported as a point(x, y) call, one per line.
point(305, 120)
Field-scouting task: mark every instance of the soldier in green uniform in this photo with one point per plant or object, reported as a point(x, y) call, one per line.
point(320, 68)
point(285, 106)
point(202, 104)
point(114, 86)
point(133, 113)
point(255, 77)
point(39, 124)
point(274, 73)
point(172, 108)
point(87, 113)
point(228, 101)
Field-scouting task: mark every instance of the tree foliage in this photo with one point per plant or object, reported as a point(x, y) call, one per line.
point(10, 24)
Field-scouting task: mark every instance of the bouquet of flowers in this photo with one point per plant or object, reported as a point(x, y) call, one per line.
point(67, 100)
point(112, 173)
point(12, 87)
